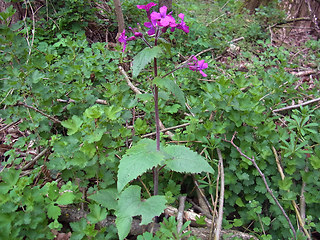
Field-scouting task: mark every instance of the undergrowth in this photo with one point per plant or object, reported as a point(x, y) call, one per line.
point(78, 117)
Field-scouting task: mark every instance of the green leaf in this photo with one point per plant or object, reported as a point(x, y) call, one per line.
point(172, 87)
point(54, 211)
point(237, 223)
point(130, 205)
point(95, 136)
point(107, 198)
point(96, 214)
point(138, 159)
point(112, 112)
point(143, 58)
point(315, 161)
point(72, 124)
point(66, 198)
point(239, 202)
point(285, 184)
point(93, 112)
point(182, 159)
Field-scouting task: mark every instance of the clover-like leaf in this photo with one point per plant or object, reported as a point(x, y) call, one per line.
point(182, 159)
point(138, 159)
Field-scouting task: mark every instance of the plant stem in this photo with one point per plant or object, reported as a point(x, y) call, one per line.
point(157, 119)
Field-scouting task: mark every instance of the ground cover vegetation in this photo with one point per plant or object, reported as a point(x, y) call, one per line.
point(89, 129)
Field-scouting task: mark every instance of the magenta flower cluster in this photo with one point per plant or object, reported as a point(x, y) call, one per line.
point(160, 22)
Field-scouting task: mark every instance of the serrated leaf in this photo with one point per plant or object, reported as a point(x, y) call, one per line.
point(95, 136)
point(171, 86)
point(93, 112)
point(130, 205)
point(66, 198)
point(143, 58)
point(315, 161)
point(96, 214)
point(72, 124)
point(182, 159)
point(138, 159)
point(107, 198)
point(53, 211)
point(285, 184)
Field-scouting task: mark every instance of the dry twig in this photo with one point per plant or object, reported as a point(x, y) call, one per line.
point(264, 180)
point(220, 215)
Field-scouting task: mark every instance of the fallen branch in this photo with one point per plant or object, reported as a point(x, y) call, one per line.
point(39, 111)
point(130, 84)
point(220, 211)
point(264, 180)
point(296, 105)
point(300, 216)
point(98, 101)
point(69, 214)
point(182, 200)
point(36, 158)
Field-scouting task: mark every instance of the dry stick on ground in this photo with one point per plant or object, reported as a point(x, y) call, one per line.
point(39, 111)
point(296, 105)
point(36, 158)
point(182, 200)
point(299, 214)
point(220, 215)
point(264, 180)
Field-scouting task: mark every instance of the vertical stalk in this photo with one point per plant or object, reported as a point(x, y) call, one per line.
point(156, 109)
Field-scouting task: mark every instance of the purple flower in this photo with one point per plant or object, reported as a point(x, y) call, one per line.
point(135, 32)
point(182, 25)
point(198, 66)
point(124, 39)
point(147, 7)
point(162, 19)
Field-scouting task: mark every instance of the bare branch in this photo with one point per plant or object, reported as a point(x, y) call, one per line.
point(220, 215)
point(296, 105)
point(39, 111)
point(264, 180)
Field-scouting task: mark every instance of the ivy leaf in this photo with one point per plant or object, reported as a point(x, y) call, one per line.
point(130, 205)
point(72, 124)
point(53, 211)
point(138, 159)
point(182, 159)
point(107, 198)
point(143, 58)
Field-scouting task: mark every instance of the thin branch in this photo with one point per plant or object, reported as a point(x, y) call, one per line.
point(182, 200)
point(11, 124)
point(98, 101)
point(264, 180)
point(134, 88)
point(296, 105)
point(36, 158)
point(39, 111)
point(166, 129)
point(299, 215)
point(220, 215)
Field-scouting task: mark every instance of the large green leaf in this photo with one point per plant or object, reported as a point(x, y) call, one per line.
point(107, 198)
point(182, 159)
point(172, 87)
point(143, 58)
point(130, 205)
point(138, 159)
